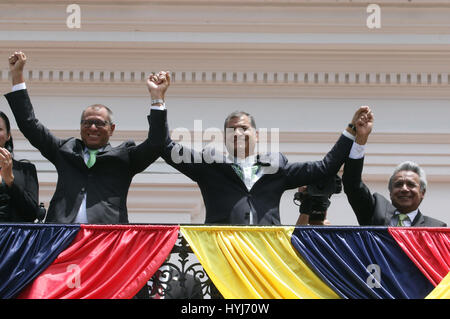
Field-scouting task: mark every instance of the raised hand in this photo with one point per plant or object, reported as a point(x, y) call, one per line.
point(157, 84)
point(361, 110)
point(16, 65)
point(364, 125)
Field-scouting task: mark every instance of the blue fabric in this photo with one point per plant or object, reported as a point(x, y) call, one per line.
point(350, 259)
point(28, 249)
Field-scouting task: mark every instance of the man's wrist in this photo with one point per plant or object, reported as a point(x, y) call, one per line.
point(351, 129)
point(17, 78)
point(361, 140)
point(157, 101)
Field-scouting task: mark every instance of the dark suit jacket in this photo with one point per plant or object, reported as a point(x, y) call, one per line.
point(106, 183)
point(227, 199)
point(19, 203)
point(374, 209)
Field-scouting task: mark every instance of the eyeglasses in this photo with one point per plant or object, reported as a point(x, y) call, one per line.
point(97, 123)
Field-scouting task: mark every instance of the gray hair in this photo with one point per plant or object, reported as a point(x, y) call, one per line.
point(97, 107)
point(413, 167)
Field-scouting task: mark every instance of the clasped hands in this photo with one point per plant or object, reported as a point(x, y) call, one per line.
point(363, 123)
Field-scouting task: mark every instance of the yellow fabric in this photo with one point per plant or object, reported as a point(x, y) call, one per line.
point(254, 262)
point(442, 291)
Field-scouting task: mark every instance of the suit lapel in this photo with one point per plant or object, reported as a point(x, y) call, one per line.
point(228, 170)
point(390, 210)
point(224, 164)
point(73, 152)
point(418, 220)
point(269, 163)
point(106, 149)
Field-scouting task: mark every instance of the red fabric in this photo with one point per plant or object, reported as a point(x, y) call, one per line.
point(428, 248)
point(105, 261)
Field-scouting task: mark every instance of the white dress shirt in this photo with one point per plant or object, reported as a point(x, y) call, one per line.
point(246, 164)
point(81, 217)
point(406, 222)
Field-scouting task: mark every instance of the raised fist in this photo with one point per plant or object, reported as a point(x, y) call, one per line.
point(157, 84)
point(16, 64)
point(363, 122)
point(17, 61)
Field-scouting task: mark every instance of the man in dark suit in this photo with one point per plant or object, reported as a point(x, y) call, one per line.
point(243, 187)
point(407, 187)
point(93, 176)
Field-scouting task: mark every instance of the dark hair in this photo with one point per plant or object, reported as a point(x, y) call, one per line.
point(99, 106)
point(239, 114)
point(9, 145)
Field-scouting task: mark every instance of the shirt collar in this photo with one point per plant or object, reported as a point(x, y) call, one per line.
point(86, 150)
point(411, 215)
point(248, 161)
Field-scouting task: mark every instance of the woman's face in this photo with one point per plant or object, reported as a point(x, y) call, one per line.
point(4, 136)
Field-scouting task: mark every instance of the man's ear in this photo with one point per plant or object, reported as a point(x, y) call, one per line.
point(112, 128)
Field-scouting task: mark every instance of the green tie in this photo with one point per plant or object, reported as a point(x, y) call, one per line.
point(91, 160)
point(254, 170)
point(401, 218)
point(239, 172)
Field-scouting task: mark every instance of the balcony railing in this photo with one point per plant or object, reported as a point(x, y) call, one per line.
point(180, 277)
point(53, 261)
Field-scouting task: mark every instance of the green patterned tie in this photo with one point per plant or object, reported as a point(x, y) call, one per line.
point(254, 170)
point(401, 218)
point(92, 157)
point(239, 172)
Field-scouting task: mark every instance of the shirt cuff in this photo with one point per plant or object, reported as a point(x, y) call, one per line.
point(158, 107)
point(18, 87)
point(350, 136)
point(357, 151)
